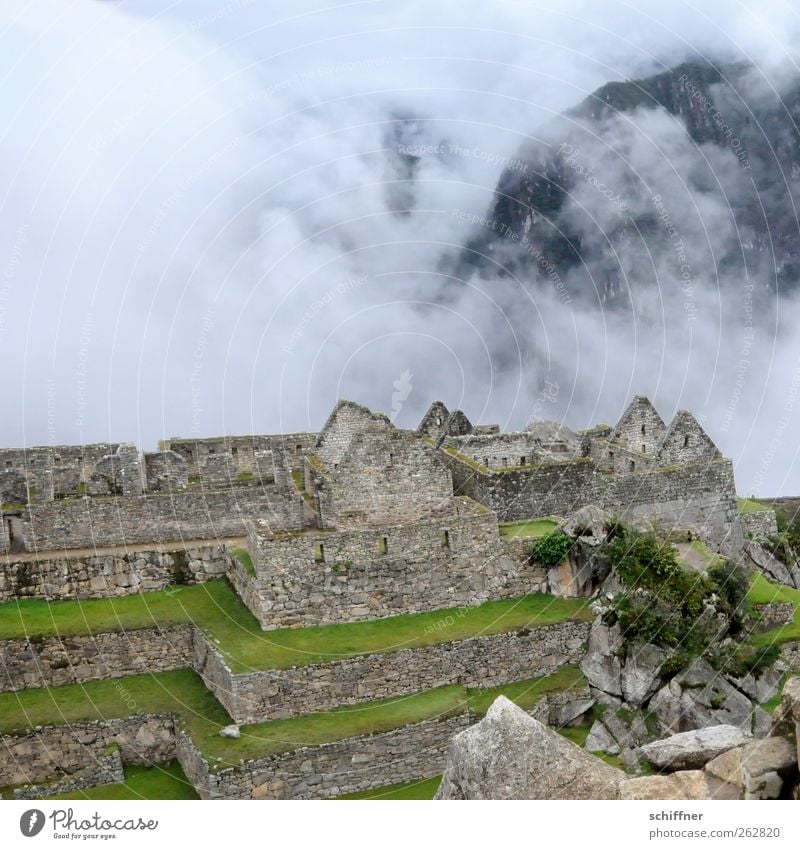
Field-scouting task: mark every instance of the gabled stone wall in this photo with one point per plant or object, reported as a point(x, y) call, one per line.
point(385, 476)
point(156, 518)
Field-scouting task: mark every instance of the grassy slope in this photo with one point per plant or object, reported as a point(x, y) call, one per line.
point(424, 789)
point(535, 528)
point(217, 610)
point(157, 782)
point(763, 591)
point(182, 693)
point(750, 505)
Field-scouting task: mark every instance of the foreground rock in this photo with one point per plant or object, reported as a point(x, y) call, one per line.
point(690, 784)
point(763, 769)
point(694, 749)
point(510, 755)
point(602, 666)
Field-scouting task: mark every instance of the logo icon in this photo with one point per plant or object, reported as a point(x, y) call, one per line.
point(31, 822)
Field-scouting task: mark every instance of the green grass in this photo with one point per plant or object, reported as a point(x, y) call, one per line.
point(423, 789)
point(525, 694)
point(536, 528)
point(711, 558)
point(243, 556)
point(282, 735)
point(153, 783)
point(216, 609)
point(763, 591)
point(750, 505)
point(183, 694)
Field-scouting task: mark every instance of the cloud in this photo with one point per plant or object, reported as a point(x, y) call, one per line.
point(220, 217)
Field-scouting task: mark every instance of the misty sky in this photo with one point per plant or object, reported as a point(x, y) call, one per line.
point(207, 224)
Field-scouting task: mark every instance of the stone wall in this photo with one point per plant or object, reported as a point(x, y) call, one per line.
point(686, 442)
point(641, 428)
point(195, 515)
point(790, 655)
point(107, 575)
point(760, 524)
point(499, 451)
point(475, 662)
point(66, 466)
point(348, 766)
point(319, 578)
point(773, 615)
point(55, 661)
point(386, 476)
point(166, 472)
point(107, 769)
point(701, 497)
point(54, 751)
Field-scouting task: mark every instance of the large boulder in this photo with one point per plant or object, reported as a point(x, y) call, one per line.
point(601, 665)
point(694, 749)
point(769, 565)
point(786, 719)
point(640, 674)
point(699, 696)
point(511, 755)
point(691, 784)
point(758, 770)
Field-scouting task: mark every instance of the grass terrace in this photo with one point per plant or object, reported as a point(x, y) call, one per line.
point(183, 694)
point(424, 789)
point(216, 609)
point(534, 529)
point(763, 591)
point(751, 505)
point(153, 783)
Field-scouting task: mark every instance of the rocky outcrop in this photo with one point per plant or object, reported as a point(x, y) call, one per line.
point(763, 769)
point(510, 755)
point(641, 674)
point(691, 784)
point(698, 697)
point(770, 566)
point(602, 666)
point(693, 749)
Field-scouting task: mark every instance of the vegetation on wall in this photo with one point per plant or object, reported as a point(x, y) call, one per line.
point(690, 613)
point(551, 550)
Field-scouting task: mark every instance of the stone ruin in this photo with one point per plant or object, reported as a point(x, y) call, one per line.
point(360, 521)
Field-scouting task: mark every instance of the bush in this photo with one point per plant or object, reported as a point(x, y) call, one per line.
point(552, 549)
point(663, 604)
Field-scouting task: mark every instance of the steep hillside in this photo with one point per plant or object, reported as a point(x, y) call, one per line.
point(684, 180)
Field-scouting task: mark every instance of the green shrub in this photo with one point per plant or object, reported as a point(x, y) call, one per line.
point(552, 549)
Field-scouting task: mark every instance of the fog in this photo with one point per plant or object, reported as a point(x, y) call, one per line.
point(220, 217)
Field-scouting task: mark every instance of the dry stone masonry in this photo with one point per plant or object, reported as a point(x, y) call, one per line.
point(359, 522)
